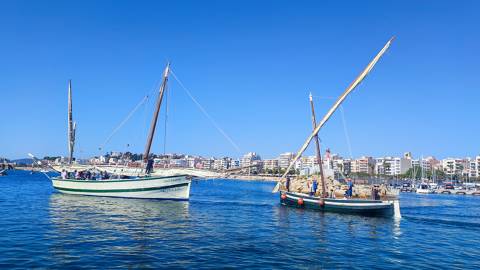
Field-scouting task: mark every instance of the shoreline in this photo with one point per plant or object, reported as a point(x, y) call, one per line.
point(254, 178)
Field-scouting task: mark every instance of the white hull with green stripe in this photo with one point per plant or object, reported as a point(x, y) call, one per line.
point(168, 188)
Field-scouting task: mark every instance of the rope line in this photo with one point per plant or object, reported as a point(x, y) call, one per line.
point(347, 137)
point(123, 122)
point(206, 114)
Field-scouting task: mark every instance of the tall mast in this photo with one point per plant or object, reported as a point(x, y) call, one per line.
point(339, 101)
point(71, 125)
point(317, 146)
point(153, 125)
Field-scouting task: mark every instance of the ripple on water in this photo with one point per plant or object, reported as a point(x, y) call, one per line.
point(227, 224)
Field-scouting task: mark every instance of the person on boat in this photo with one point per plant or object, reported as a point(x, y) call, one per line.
point(287, 183)
point(375, 193)
point(350, 188)
point(332, 192)
point(149, 167)
point(76, 174)
point(105, 175)
point(64, 174)
point(88, 175)
point(315, 186)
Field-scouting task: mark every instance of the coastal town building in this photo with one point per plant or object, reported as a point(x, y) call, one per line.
point(363, 165)
point(248, 159)
point(453, 166)
point(285, 159)
point(456, 168)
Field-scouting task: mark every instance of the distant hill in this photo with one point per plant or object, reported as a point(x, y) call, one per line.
point(24, 161)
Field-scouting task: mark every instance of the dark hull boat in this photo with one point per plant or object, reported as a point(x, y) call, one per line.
point(349, 206)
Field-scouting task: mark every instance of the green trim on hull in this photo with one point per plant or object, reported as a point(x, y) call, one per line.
point(380, 210)
point(119, 190)
point(118, 180)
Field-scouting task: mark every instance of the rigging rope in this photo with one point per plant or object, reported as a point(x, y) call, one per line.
point(124, 121)
point(344, 123)
point(347, 137)
point(205, 113)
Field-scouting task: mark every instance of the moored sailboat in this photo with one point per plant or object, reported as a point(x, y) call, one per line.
point(142, 185)
point(323, 203)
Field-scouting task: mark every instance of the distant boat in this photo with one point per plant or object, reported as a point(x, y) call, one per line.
point(3, 172)
point(424, 188)
point(322, 203)
point(144, 185)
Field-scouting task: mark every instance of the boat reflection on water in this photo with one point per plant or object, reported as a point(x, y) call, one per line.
point(322, 223)
point(113, 213)
point(115, 226)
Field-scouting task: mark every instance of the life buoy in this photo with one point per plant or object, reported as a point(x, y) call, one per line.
point(300, 201)
point(283, 196)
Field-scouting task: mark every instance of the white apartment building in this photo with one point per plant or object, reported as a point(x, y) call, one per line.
point(192, 161)
point(379, 166)
point(284, 159)
point(270, 164)
point(178, 163)
point(453, 166)
point(393, 166)
point(248, 159)
point(341, 166)
point(363, 165)
point(235, 163)
point(473, 167)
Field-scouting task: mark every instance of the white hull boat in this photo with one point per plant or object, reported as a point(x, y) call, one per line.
point(128, 183)
point(167, 188)
point(424, 189)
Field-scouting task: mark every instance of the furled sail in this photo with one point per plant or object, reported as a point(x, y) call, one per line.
point(339, 101)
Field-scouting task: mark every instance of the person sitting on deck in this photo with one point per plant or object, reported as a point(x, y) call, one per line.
point(88, 175)
point(64, 174)
point(76, 174)
point(105, 175)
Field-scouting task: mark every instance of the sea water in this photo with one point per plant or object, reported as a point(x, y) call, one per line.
point(227, 224)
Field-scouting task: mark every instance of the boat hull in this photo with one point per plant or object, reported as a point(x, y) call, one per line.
point(167, 188)
point(358, 207)
point(424, 191)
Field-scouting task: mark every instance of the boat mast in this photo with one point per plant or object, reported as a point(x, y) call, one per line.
point(153, 125)
point(71, 125)
point(339, 101)
point(317, 147)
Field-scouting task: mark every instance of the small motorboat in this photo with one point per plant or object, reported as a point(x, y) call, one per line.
point(424, 188)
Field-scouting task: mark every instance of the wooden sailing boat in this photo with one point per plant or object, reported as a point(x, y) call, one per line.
point(354, 206)
point(172, 187)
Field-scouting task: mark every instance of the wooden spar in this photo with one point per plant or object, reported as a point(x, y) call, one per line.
point(153, 125)
point(71, 125)
point(317, 147)
point(339, 101)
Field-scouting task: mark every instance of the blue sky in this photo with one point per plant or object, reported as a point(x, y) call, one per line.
point(251, 64)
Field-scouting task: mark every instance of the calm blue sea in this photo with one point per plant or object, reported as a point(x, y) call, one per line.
point(227, 224)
